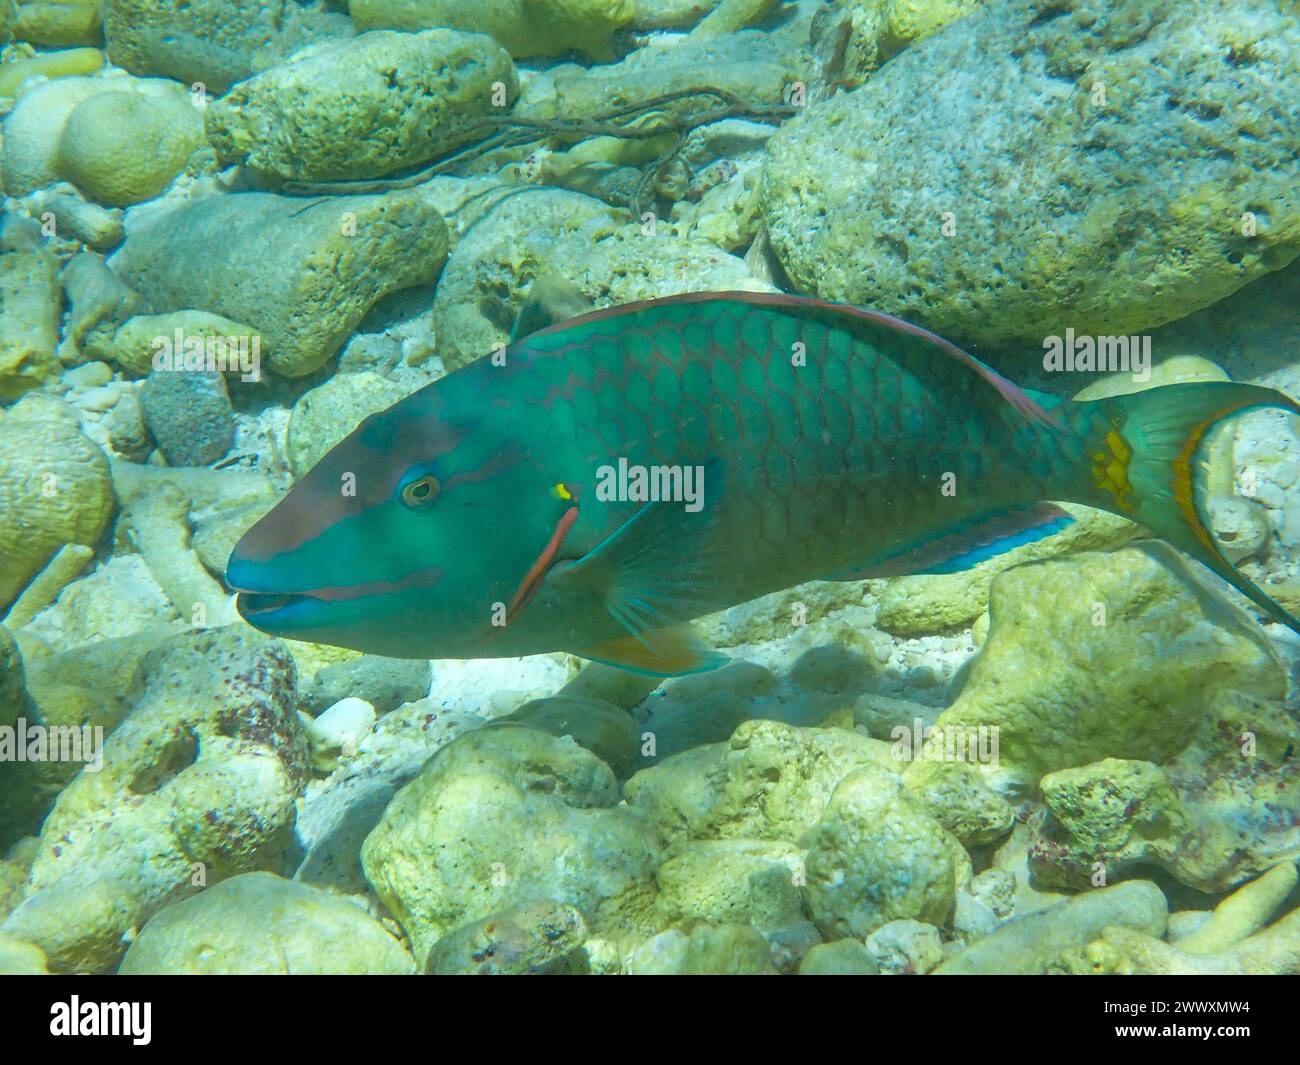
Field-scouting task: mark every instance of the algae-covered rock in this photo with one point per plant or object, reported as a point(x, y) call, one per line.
point(930, 602)
point(733, 881)
point(725, 950)
point(99, 300)
point(326, 414)
point(365, 107)
point(215, 536)
point(535, 937)
point(705, 708)
point(141, 339)
point(770, 781)
point(214, 43)
point(339, 731)
point(385, 683)
point(207, 490)
point(752, 65)
point(501, 816)
point(1137, 648)
point(32, 130)
point(709, 950)
point(72, 712)
point(843, 957)
point(108, 665)
point(143, 132)
point(875, 857)
point(487, 276)
point(1111, 815)
point(541, 27)
point(955, 795)
point(1229, 942)
point(157, 525)
point(607, 731)
point(1030, 945)
point(20, 958)
point(669, 14)
point(1240, 526)
point(57, 23)
point(1106, 815)
point(29, 305)
point(854, 37)
point(1240, 780)
point(320, 266)
point(66, 63)
point(1109, 130)
point(54, 489)
point(121, 148)
point(905, 947)
point(116, 600)
point(261, 924)
point(95, 226)
point(1226, 809)
point(1242, 913)
point(189, 416)
point(197, 784)
point(1122, 951)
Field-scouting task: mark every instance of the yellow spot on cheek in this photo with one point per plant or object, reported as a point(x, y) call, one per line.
point(562, 491)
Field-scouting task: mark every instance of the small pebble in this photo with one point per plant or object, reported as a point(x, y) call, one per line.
point(99, 398)
point(89, 376)
point(189, 415)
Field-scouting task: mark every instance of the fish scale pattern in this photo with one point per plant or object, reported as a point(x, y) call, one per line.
point(834, 440)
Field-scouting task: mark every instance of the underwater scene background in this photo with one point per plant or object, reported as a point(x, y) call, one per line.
point(233, 231)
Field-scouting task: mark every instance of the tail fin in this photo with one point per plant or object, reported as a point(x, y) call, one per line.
point(1141, 461)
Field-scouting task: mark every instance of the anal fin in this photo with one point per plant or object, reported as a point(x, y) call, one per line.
point(960, 549)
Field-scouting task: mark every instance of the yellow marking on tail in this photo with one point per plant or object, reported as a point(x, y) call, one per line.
point(1184, 494)
point(1111, 469)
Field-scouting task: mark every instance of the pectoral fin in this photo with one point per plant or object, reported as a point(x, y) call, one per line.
point(651, 574)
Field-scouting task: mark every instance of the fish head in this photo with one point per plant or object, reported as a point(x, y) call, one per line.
point(410, 538)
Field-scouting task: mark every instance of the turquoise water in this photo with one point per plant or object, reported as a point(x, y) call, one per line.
point(232, 231)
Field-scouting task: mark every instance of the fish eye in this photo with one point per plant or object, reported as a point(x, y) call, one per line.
point(421, 491)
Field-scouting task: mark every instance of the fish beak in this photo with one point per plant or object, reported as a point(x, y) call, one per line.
point(262, 595)
point(259, 607)
point(255, 606)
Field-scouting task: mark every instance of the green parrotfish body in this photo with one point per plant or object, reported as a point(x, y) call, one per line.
point(615, 475)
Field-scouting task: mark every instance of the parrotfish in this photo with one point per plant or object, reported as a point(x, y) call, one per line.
point(599, 482)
